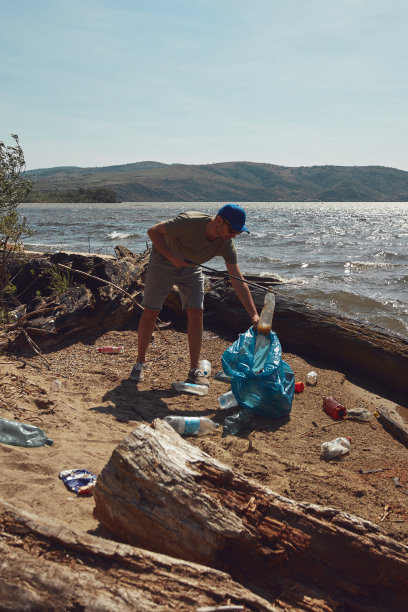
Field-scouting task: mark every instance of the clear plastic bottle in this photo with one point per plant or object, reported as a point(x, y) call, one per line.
point(205, 366)
point(191, 426)
point(22, 434)
point(186, 387)
point(266, 316)
point(227, 400)
point(56, 385)
point(222, 377)
point(336, 448)
point(262, 342)
point(311, 378)
point(360, 414)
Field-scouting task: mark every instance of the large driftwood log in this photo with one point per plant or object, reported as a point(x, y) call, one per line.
point(46, 566)
point(162, 493)
point(367, 350)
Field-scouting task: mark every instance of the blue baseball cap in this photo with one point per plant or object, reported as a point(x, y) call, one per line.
point(235, 215)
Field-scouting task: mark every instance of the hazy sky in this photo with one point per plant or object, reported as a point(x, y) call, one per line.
point(288, 82)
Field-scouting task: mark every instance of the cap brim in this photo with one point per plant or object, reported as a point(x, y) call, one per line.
point(245, 229)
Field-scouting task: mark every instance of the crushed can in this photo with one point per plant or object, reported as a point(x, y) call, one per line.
point(333, 408)
point(110, 349)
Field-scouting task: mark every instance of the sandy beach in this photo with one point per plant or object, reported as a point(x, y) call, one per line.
point(97, 407)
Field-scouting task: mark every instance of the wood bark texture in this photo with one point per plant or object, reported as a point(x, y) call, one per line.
point(161, 493)
point(46, 566)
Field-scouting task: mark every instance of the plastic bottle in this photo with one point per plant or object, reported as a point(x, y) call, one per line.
point(333, 408)
point(222, 377)
point(236, 423)
point(186, 387)
point(227, 400)
point(191, 426)
point(22, 434)
point(265, 319)
point(336, 448)
point(56, 386)
point(360, 414)
point(205, 366)
point(311, 378)
point(110, 349)
point(262, 342)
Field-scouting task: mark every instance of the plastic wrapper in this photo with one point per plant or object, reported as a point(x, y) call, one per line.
point(78, 481)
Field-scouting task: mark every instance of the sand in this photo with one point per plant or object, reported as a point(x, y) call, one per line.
point(97, 407)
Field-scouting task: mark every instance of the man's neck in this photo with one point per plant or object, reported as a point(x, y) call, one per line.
point(210, 230)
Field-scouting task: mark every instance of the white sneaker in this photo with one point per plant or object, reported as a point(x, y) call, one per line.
point(137, 372)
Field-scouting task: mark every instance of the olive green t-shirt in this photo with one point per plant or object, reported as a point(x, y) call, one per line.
point(186, 236)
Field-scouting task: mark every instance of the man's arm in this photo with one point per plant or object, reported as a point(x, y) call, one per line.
point(157, 235)
point(243, 292)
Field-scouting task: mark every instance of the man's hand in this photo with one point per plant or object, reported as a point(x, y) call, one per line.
point(178, 261)
point(255, 320)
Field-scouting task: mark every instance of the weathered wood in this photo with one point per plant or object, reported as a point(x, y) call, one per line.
point(162, 493)
point(46, 566)
point(367, 350)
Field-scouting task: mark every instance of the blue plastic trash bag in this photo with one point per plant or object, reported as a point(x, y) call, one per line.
point(260, 380)
point(78, 481)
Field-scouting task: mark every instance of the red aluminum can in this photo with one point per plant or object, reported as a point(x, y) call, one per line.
point(110, 349)
point(333, 408)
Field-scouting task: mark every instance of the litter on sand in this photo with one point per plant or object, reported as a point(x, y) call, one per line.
point(78, 481)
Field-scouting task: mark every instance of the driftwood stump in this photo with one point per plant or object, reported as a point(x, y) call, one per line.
point(161, 493)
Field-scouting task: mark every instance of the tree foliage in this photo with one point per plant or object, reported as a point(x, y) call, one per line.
point(14, 188)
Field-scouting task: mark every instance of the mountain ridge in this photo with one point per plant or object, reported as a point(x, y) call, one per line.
point(223, 181)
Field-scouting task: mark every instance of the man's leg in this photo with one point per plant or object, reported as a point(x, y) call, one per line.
point(145, 330)
point(195, 334)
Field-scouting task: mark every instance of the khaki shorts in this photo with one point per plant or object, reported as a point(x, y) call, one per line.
point(162, 275)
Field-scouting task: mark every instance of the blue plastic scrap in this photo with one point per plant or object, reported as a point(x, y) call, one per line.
point(78, 481)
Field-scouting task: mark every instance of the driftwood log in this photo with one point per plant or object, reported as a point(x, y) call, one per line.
point(47, 566)
point(369, 351)
point(162, 493)
point(366, 350)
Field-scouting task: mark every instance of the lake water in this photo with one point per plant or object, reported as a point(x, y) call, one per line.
point(351, 258)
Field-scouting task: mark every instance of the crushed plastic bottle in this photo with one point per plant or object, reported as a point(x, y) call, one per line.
point(235, 423)
point(227, 400)
point(311, 378)
point(191, 426)
point(22, 434)
point(336, 448)
point(205, 366)
point(360, 414)
point(222, 377)
point(186, 387)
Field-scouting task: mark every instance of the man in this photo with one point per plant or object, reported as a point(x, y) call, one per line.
point(190, 237)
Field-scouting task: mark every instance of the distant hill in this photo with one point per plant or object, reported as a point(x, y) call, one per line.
point(151, 181)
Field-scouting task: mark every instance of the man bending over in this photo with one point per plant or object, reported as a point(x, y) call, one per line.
point(195, 237)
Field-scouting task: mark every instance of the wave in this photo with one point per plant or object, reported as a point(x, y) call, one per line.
point(368, 265)
point(121, 235)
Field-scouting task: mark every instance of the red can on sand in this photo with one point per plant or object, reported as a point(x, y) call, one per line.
point(110, 349)
point(299, 387)
point(333, 408)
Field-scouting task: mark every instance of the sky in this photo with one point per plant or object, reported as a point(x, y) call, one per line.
point(288, 82)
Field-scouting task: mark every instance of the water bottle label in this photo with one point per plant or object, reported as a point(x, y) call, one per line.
point(191, 425)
